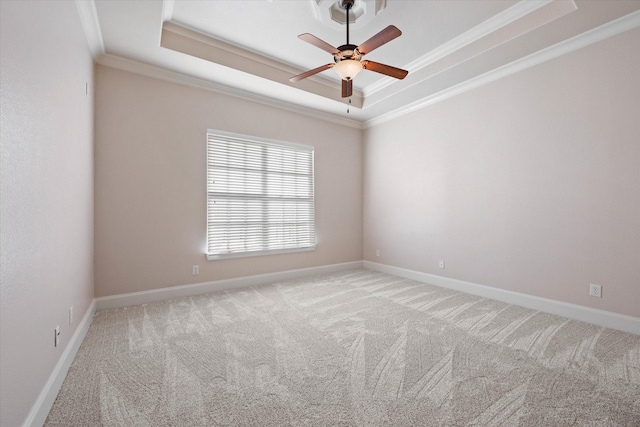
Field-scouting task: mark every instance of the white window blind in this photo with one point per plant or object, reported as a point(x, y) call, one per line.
point(259, 196)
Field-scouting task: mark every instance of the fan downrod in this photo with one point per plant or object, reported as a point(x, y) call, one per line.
point(347, 50)
point(347, 4)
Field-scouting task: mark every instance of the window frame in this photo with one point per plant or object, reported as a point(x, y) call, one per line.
point(264, 142)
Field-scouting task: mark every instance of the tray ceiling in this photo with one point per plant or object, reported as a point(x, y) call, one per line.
point(250, 48)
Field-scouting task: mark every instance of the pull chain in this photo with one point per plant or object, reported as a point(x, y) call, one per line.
point(348, 105)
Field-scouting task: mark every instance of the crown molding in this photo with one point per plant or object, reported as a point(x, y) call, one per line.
point(478, 32)
point(164, 74)
point(499, 32)
point(184, 39)
point(91, 26)
point(610, 29)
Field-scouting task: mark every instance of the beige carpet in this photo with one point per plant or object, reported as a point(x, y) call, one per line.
point(356, 348)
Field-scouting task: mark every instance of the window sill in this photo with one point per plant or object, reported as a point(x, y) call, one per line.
point(258, 253)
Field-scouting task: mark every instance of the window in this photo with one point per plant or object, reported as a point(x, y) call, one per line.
point(259, 196)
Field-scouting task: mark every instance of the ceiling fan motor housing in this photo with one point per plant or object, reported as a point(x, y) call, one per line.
point(347, 51)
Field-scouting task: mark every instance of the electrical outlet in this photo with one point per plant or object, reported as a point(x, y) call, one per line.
point(70, 315)
point(595, 290)
point(441, 264)
point(56, 336)
point(377, 252)
point(195, 270)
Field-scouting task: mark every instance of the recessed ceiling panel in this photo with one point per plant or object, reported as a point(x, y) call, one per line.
point(250, 48)
point(271, 28)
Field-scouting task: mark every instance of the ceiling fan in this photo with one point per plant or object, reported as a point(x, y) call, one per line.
point(348, 58)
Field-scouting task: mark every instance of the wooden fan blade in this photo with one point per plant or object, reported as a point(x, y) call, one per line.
point(310, 72)
point(347, 88)
point(310, 38)
point(384, 36)
point(387, 70)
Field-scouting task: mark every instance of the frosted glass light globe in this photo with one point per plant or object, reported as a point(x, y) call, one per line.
point(347, 69)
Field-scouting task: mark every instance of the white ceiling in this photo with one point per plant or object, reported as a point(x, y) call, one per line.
point(250, 47)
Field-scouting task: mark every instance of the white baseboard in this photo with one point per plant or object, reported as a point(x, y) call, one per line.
point(136, 298)
point(40, 409)
point(594, 316)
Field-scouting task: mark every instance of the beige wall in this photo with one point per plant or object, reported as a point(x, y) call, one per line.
point(531, 183)
point(150, 182)
point(46, 194)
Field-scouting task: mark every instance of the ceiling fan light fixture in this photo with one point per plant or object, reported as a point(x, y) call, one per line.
point(347, 69)
point(347, 57)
